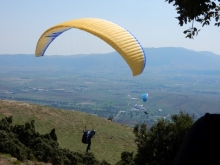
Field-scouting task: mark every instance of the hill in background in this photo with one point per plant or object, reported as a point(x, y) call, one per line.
point(167, 58)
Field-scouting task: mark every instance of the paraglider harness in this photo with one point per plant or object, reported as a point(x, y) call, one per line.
point(87, 135)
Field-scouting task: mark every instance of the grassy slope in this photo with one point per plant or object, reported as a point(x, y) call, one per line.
point(110, 140)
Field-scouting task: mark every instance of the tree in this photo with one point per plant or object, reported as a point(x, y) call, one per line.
point(201, 11)
point(160, 144)
point(126, 159)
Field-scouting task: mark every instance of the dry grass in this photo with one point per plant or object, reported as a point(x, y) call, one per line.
point(110, 141)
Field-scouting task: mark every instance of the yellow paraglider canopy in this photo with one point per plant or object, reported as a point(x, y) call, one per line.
point(117, 37)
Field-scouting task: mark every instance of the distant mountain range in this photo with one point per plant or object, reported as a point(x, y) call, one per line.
point(182, 58)
point(165, 58)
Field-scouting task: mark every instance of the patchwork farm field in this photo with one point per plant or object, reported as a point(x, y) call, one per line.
point(113, 95)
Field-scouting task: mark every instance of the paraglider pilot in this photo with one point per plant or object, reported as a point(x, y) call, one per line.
point(87, 135)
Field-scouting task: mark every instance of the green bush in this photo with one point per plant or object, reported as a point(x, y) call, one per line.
point(160, 144)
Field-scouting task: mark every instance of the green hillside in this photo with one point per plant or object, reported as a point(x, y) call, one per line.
point(110, 140)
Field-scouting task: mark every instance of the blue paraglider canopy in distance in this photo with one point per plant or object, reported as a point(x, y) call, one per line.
point(144, 97)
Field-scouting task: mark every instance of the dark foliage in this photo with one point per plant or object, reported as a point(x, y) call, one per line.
point(201, 11)
point(201, 144)
point(126, 159)
point(110, 118)
point(160, 144)
point(24, 142)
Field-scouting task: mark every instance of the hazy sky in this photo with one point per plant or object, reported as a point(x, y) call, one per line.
point(152, 22)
